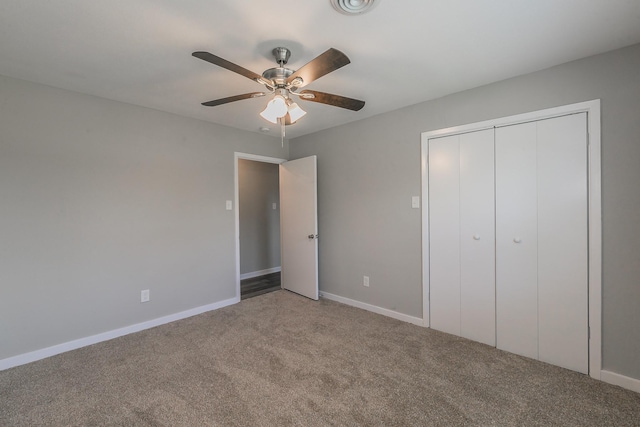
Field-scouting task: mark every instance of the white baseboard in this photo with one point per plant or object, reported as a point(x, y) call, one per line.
point(605, 376)
point(260, 273)
point(32, 356)
point(373, 308)
point(620, 380)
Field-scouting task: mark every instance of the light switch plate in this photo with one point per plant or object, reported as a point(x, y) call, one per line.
point(229, 205)
point(415, 202)
point(274, 206)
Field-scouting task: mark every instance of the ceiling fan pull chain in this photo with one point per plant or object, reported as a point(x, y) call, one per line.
point(282, 130)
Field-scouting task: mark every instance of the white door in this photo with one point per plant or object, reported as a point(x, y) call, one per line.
point(299, 226)
point(562, 242)
point(461, 229)
point(477, 237)
point(517, 240)
point(444, 233)
point(541, 240)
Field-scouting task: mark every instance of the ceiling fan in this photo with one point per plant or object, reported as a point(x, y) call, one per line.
point(285, 83)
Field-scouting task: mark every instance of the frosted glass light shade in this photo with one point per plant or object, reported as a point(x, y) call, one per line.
point(275, 109)
point(295, 112)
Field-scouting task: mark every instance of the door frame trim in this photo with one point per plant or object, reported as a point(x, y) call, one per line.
point(256, 158)
point(592, 108)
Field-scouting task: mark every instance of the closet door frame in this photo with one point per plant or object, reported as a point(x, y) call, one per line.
point(592, 108)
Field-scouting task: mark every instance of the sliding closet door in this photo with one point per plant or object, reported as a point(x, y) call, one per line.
point(444, 234)
point(516, 240)
point(477, 237)
point(562, 242)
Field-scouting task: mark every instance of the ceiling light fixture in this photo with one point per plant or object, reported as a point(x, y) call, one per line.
point(276, 109)
point(295, 112)
point(280, 106)
point(353, 7)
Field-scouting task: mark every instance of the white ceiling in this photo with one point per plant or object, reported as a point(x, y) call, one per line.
point(402, 52)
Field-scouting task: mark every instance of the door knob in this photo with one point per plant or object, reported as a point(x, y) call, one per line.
point(312, 236)
point(517, 239)
point(476, 237)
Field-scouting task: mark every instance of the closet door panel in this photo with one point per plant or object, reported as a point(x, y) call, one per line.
point(477, 237)
point(444, 234)
point(516, 240)
point(562, 242)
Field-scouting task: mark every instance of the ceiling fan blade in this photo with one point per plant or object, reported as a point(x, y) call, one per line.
point(216, 60)
point(329, 61)
point(232, 99)
point(330, 99)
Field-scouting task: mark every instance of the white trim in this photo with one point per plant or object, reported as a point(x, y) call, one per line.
point(620, 380)
point(373, 308)
point(563, 110)
point(32, 356)
point(255, 158)
point(259, 273)
point(595, 240)
point(424, 182)
point(592, 108)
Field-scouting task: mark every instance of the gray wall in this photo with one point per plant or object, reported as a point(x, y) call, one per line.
point(99, 200)
point(259, 222)
point(368, 170)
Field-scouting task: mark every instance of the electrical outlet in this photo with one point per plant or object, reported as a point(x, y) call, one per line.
point(144, 296)
point(365, 281)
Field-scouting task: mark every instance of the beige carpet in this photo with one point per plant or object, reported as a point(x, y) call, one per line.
point(280, 359)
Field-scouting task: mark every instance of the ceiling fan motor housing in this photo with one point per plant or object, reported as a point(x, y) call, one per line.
point(278, 75)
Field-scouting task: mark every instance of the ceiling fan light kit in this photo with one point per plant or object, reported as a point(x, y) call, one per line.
point(284, 83)
point(353, 7)
point(276, 108)
point(295, 112)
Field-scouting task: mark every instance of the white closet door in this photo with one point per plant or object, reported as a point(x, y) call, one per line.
point(444, 234)
point(516, 240)
point(477, 237)
point(508, 232)
point(562, 242)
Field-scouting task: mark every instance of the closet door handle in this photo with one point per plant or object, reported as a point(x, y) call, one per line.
point(476, 237)
point(517, 240)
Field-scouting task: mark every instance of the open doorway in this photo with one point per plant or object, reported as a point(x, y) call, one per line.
point(258, 225)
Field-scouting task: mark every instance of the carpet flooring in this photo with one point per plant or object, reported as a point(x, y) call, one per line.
point(281, 359)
